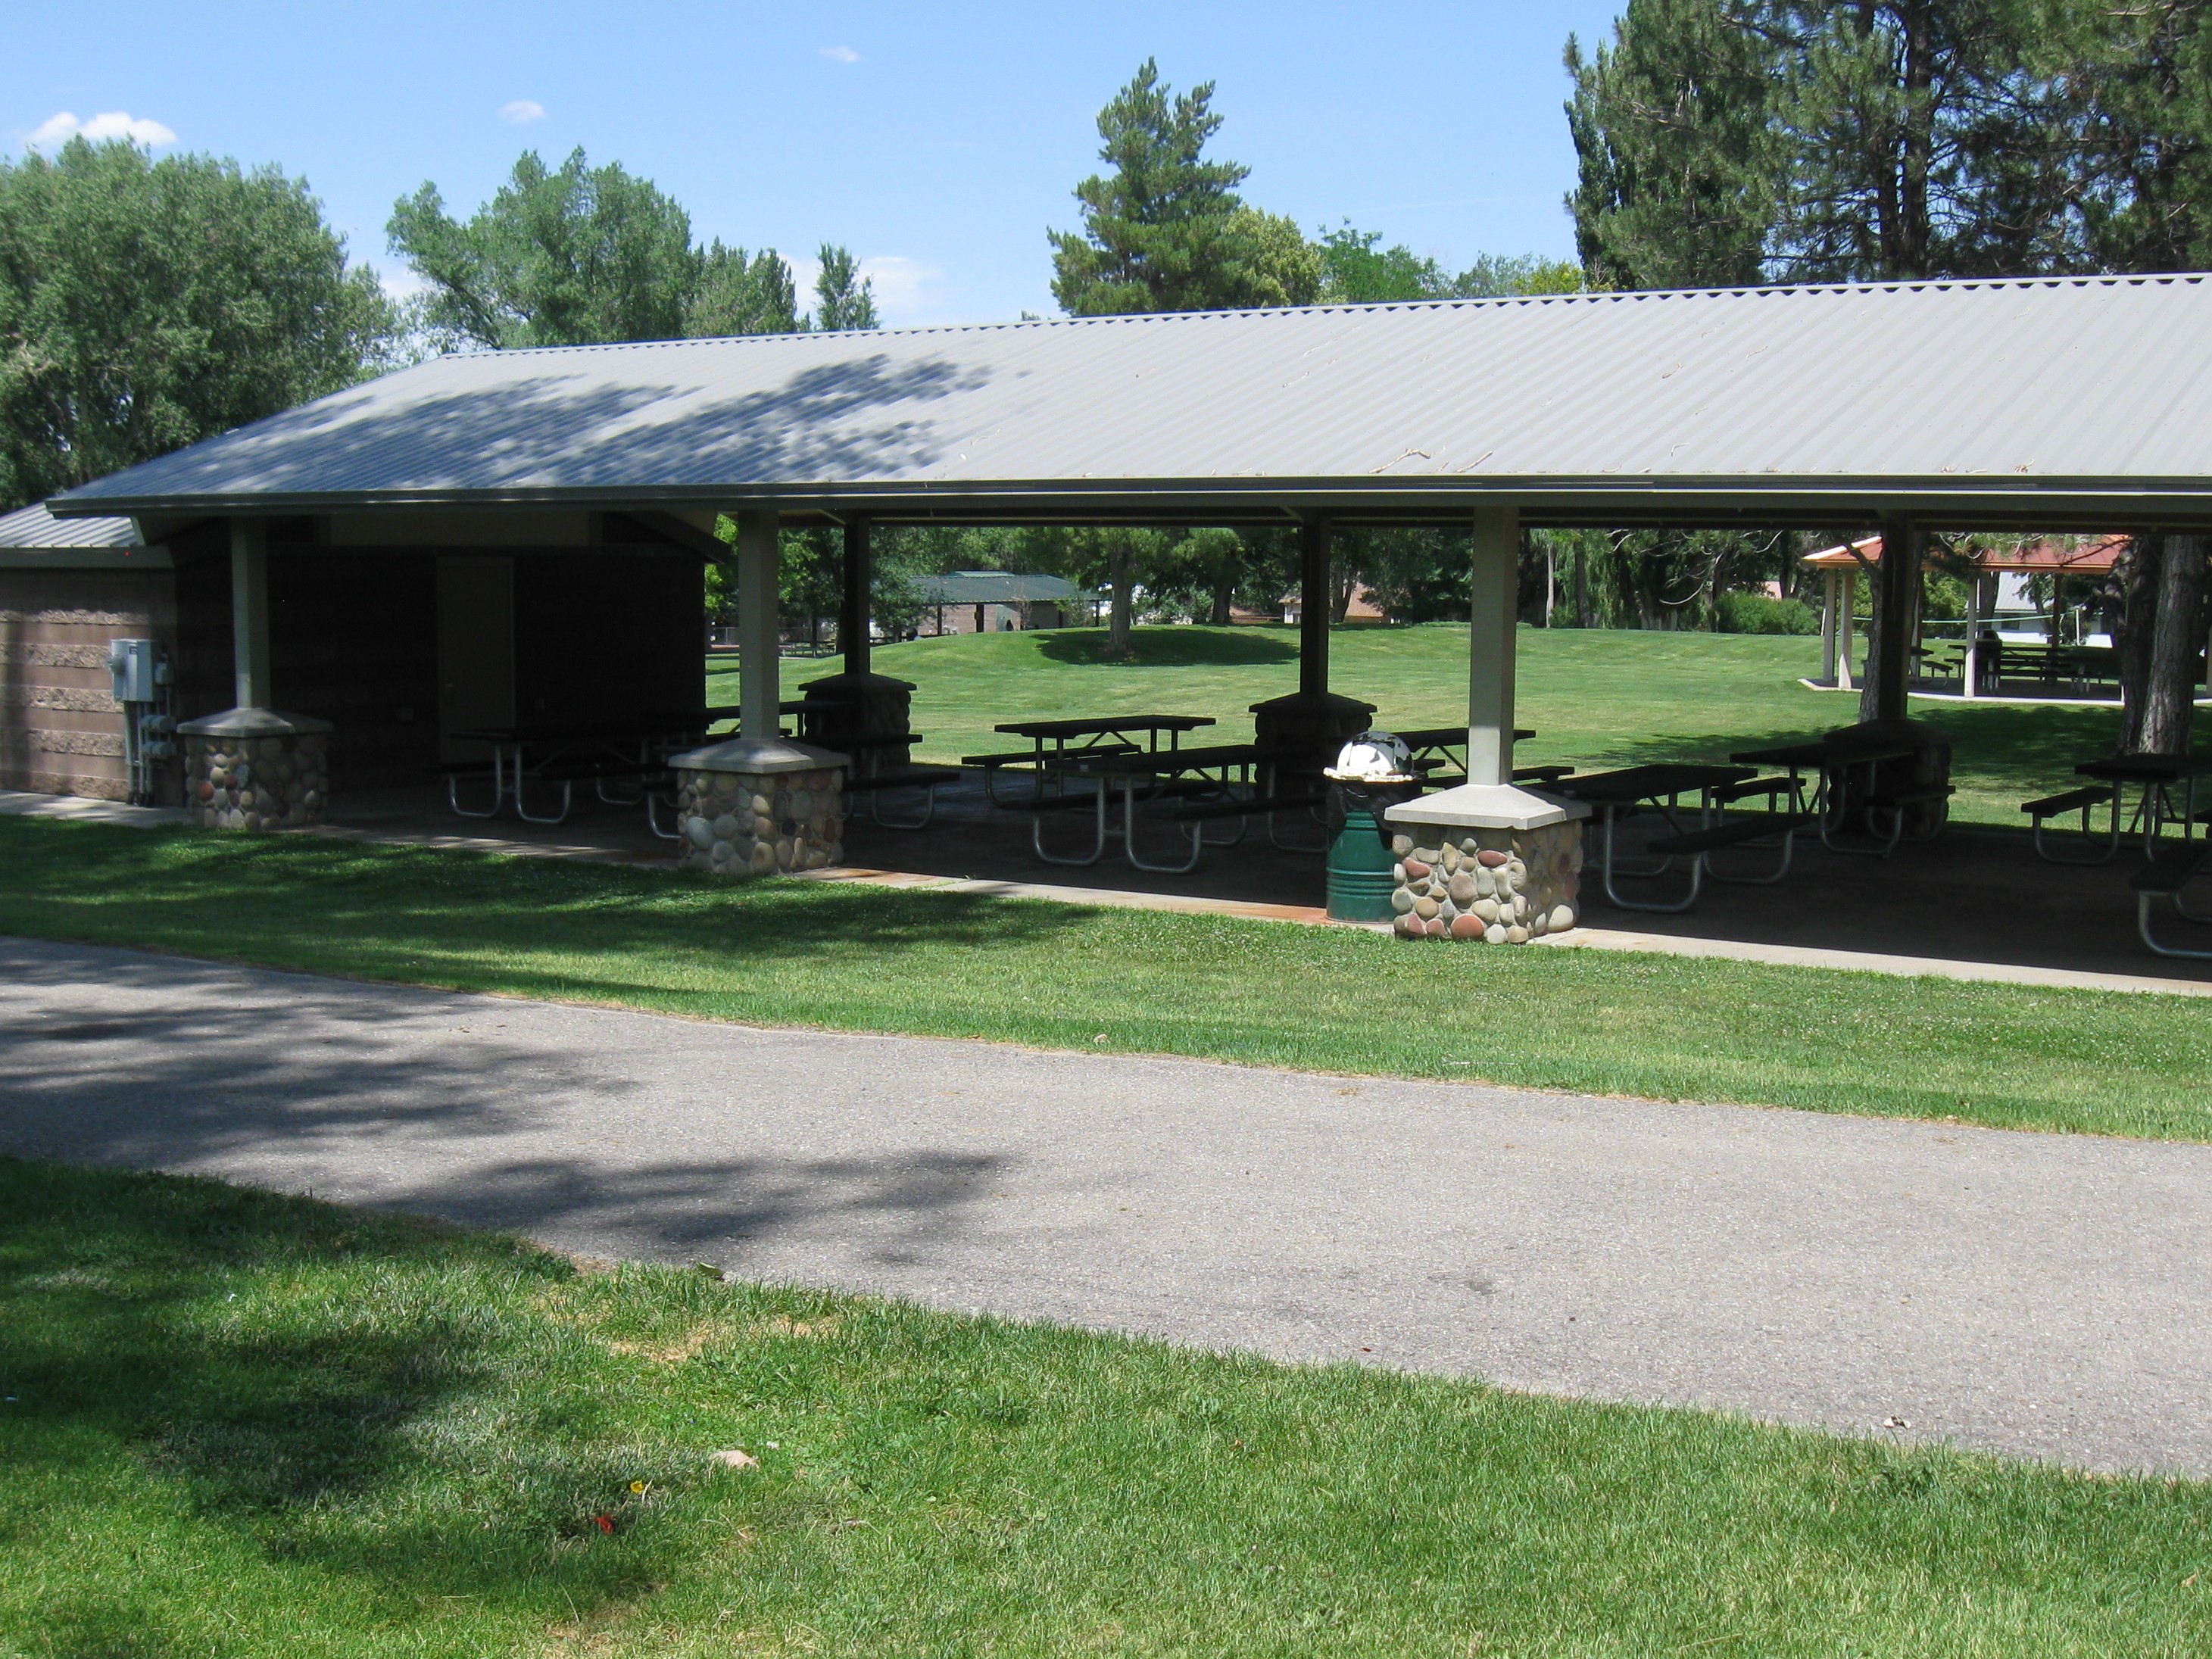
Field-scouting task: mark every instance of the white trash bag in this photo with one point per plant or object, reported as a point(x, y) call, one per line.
point(1373, 758)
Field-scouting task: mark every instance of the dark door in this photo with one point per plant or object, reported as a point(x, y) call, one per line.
point(476, 649)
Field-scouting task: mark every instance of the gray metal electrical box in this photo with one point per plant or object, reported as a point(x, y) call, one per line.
point(139, 670)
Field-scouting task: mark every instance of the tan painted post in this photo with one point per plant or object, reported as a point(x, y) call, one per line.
point(1843, 623)
point(249, 613)
point(1828, 585)
point(759, 628)
point(1491, 646)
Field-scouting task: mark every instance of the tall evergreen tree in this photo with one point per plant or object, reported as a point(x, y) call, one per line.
point(1166, 230)
point(1918, 141)
point(145, 304)
point(1676, 149)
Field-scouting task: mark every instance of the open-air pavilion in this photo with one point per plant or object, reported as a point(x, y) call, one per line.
point(1908, 408)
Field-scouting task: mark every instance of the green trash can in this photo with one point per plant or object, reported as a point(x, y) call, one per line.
point(1360, 881)
point(1361, 867)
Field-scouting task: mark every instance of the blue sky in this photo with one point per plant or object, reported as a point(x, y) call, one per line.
point(939, 142)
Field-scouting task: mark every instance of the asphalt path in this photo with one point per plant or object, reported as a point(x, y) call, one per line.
point(2039, 1295)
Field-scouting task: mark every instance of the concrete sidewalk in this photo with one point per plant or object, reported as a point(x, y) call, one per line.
point(2040, 1295)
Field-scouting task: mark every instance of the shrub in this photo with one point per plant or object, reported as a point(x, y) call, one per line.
point(1754, 613)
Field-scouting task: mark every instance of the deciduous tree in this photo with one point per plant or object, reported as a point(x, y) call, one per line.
point(145, 304)
point(575, 255)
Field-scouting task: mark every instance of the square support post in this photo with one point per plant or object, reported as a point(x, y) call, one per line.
point(759, 628)
point(1492, 646)
point(1970, 665)
point(249, 613)
point(1830, 581)
point(1896, 584)
point(855, 615)
point(1846, 620)
point(1315, 599)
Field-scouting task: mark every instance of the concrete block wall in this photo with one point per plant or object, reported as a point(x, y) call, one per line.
point(61, 732)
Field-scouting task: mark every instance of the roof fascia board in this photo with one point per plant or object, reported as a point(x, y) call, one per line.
point(86, 558)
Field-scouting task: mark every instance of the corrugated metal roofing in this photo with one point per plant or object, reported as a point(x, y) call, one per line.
point(1948, 389)
point(994, 587)
point(33, 528)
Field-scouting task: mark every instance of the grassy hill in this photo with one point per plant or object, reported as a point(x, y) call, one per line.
point(1596, 697)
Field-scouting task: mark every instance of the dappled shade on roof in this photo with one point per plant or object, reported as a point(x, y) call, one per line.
point(1776, 402)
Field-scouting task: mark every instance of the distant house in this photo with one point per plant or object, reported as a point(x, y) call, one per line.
point(993, 601)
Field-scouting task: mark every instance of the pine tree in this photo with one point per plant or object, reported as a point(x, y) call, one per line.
point(1166, 230)
point(1678, 168)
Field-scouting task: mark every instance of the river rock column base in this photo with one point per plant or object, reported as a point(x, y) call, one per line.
point(253, 769)
point(1492, 885)
point(759, 806)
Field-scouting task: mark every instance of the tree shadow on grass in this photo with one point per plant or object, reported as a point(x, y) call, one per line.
point(1172, 648)
point(359, 908)
point(150, 1321)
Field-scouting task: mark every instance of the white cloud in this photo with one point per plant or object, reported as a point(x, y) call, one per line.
point(58, 130)
point(898, 285)
point(522, 112)
point(841, 54)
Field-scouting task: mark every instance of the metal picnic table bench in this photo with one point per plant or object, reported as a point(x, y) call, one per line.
point(1660, 787)
point(1082, 735)
point(573, 752)
point(1204, 783)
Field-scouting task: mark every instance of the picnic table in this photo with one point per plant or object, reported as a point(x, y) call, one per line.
point(1082, 735)
point(556, 745)
point(1660, 787)
point(1831, 759)
point(1205, 783)
point(2157, 775)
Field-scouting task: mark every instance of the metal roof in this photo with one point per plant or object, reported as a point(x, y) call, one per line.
point(33, 526)
point(32, 538)
point(2037, 400)
point(994, 587)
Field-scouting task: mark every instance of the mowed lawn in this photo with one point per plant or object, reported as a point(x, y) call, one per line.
point(1075, 976)
point(1595, 697)
point(266, 1428)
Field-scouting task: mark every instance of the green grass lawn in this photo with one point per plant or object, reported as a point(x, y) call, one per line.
point(1072, 976)
point(241, 1425)
point(1595, 697)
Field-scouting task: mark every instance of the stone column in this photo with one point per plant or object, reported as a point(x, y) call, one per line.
point(759, 805)
point(1489, 861)
point(748, 808)
point(253, 767)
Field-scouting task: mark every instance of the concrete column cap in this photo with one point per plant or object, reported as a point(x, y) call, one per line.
point(1488, 807)
point(251, 723)
point(758, 754)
